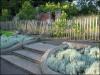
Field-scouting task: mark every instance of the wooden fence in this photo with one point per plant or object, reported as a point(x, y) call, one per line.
point(81, 28)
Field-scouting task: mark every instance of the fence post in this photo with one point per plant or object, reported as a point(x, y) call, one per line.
point(93, 27)
point(96, 28)
point(84, 29)
point(90, 26)
point(98, 24)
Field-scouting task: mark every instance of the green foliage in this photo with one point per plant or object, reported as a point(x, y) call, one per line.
point(69, 8)
point(27, 11)
point(78, 30)
point(4, 4)
point(47, 5)
point(52, 7)
point(6, 33)
point(5, 15)
point(88, 10)
point(88, 7)
point(5, 12)
point(14, 6)
point(59, 25)
point(98, 3)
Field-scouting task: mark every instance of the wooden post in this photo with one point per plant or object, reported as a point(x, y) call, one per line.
point(96, 30)
point(98, 24)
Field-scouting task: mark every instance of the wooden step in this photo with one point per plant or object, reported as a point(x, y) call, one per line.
point(40, 47)
point(23, 63)
point(29, 55)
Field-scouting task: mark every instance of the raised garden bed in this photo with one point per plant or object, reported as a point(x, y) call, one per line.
point(14, 42)
point(72, 59)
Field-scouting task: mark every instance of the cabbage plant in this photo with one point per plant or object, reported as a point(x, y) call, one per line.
point(6, 41)
point(71, 61)
point(94, 69)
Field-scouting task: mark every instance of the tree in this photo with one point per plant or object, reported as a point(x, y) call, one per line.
point(98, 3)
point(27, 11)
point(14, 6)
point(0, 8)
point(3, 5)
point(86, 6)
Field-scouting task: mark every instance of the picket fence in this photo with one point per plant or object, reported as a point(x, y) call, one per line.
point(88, 26)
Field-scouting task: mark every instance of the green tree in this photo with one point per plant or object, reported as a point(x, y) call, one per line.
point(14, 6)
point(0, 8)
point(27, 11)
point(87, 6)
point(3, 5)
point(69, 8)
point(98, 3)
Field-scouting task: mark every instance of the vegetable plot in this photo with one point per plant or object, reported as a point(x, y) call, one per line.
point(71, 61)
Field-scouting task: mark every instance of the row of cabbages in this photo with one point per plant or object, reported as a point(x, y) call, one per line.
point(11, 40)
point(70, 61)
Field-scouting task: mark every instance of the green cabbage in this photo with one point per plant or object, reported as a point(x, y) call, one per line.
point(94, 69)
point(62, 67)
point(71, 61)
point(69, 54)
point(93, 52)
point(53, 63)
point(75, 67)
point(6, 42)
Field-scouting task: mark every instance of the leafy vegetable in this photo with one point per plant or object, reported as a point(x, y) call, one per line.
point(6, 41)
point(70, 61)
point(6, 33)
point(94, 69)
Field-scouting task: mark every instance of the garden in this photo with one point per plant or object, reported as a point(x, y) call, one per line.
point(70, 60)
point(8, 39)
point(27, 22)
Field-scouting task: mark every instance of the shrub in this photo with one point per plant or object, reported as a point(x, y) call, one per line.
point(52, 7)
point(27, 11)
point(59, 25)
point(70, 9)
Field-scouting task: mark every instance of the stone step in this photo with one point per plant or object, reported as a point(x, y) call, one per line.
point(40, 47)
point(23, 63)
point(29, 55)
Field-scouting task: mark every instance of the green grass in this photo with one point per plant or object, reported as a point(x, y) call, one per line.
point(6, 33)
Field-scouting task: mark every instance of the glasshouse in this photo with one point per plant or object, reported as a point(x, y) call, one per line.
point(50, 37)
